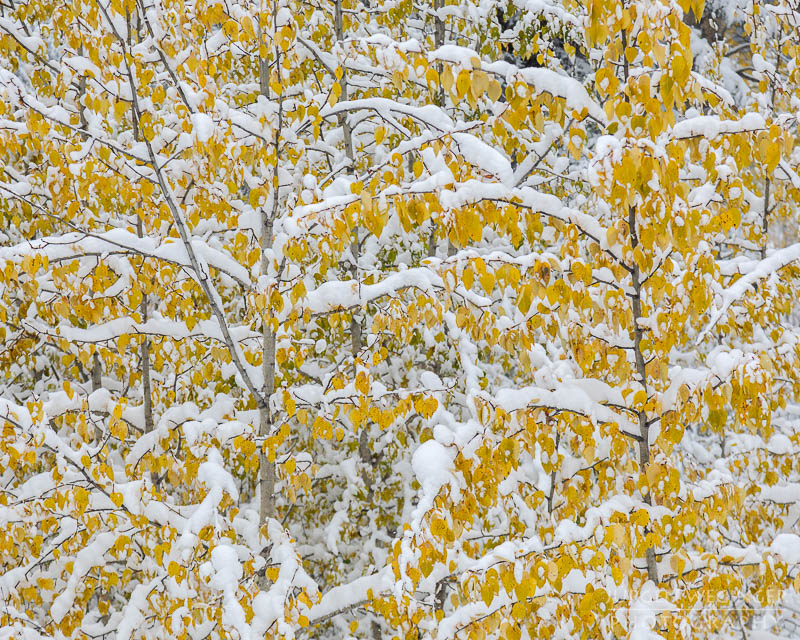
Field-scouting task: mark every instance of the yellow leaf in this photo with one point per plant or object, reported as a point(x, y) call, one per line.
point(431, 77)
point(46, 583)
point(81, 497)
point(463, 83)
point(447, 79)
point(487, 281)
point(118, 429)
point(677, 564)
point(289, 404)
point(494, 90)
point(362, 383)
point(336, 91)
point(120, 109)
point(487, 594)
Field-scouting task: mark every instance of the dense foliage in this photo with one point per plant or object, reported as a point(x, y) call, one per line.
point(393, 318)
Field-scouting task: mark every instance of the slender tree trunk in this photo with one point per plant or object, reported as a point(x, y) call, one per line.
point(550, 498)
point(764, 218)
point(355, 322)
point(267, 467)
point(144, 356)
point(97, 373)
point(767, 183)
point(144, 363)
point(641, 369)
point(97, 383)
point(144, 348)
point(438, 39)
point(81, 109)
point(267, 474)
point(347, 135)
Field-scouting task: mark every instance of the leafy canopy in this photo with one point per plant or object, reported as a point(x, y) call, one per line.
point(445, 319)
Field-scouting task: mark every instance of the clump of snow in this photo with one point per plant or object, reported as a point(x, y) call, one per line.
point(225, 572)
point(430, 380)
point(203, 126)
point(787, 546)
point(713, 126)
point(432, 464)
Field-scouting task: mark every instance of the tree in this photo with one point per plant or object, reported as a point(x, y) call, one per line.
point(329, 319)
point(603, 486)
